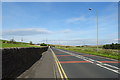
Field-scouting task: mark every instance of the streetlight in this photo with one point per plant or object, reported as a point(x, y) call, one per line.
point(97, 24)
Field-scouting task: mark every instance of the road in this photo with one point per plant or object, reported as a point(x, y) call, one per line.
point(69, 65)
point(81, 65)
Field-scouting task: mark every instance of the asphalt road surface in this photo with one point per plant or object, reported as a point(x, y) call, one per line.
point(81, 65)
point(60, 64)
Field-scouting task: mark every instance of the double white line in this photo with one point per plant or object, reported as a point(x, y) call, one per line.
point(59, 66)
point(103, 65)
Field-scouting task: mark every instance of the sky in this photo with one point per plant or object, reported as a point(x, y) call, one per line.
point(60, 0)
point(65, 23)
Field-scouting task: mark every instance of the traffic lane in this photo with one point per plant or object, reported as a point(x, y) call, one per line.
point(78, 68)
point(68, 58)
point(56, 51)
point(62, 56)
point(112, 62)
point(86, 70)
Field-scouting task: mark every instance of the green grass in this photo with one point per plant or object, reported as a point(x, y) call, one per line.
point(92, 50)
point(8, 45)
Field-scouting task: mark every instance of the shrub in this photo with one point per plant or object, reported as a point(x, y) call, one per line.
point(43, 44)
point(111, 46)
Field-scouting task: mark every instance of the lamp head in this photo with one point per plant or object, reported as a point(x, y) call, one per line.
point(90, 8)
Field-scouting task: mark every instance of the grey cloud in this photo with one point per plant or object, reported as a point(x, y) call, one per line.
point(29, 31)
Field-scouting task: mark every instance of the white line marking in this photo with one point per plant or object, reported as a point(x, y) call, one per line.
point(94, 61)
point(116, 71)
point(111, 66)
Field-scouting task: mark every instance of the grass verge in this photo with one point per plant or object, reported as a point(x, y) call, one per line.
point(102, 52)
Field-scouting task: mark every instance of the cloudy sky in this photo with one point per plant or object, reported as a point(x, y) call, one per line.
point(68, 23)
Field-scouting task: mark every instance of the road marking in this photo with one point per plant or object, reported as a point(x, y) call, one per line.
point(74, 62)
point(94, 61)
point(57, 64)
point(108, 68)
point(109, 61)
point(111, 66)
point(61, 70)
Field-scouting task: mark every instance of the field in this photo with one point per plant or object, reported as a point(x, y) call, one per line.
point(110, 53)
point(17, 44)
point(7, 45)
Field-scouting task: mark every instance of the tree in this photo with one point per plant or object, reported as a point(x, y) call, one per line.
point(31, 43)
point(12, 41)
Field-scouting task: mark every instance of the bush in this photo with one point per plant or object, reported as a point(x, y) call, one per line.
point(67, 46)
point(3, 41)
point(78, 46)
point(111, 46)
point(43, 44)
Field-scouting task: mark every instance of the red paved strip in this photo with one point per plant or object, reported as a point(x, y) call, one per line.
point(74, 62)
point(64, 55)
point(110, 61)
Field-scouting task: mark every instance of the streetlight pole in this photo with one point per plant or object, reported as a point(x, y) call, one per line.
point(97, 29)
point(97, 26)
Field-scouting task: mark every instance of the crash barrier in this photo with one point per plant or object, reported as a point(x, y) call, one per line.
point(16, 60)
